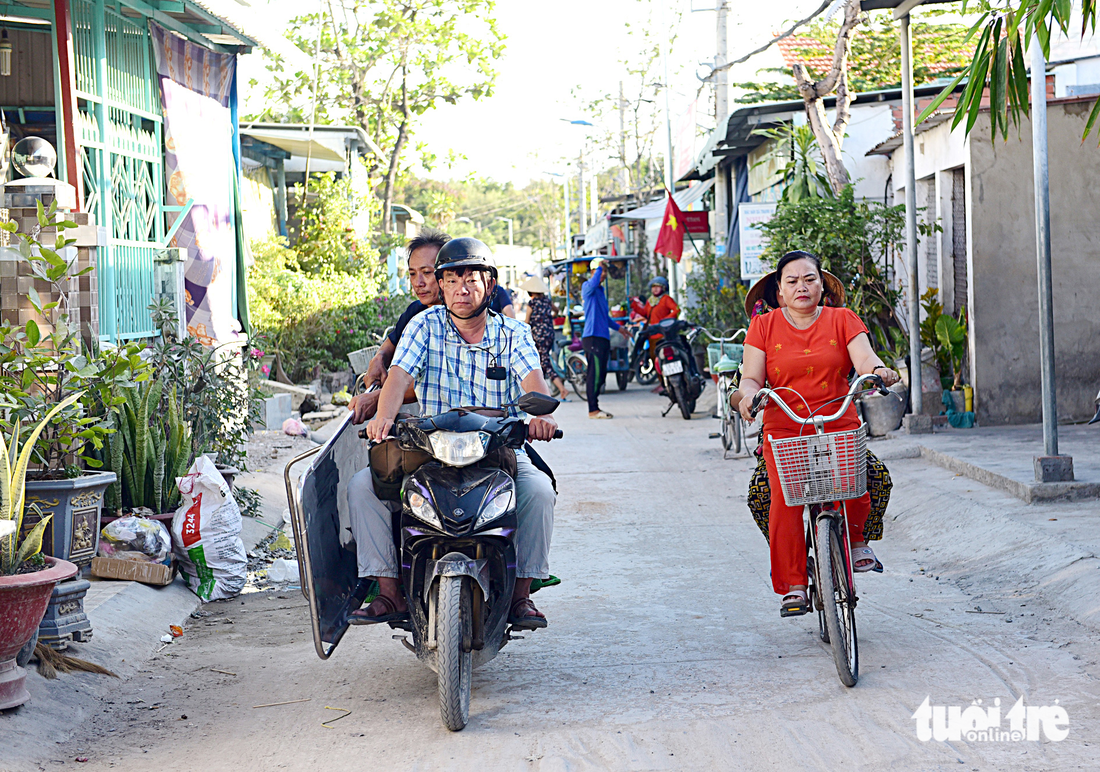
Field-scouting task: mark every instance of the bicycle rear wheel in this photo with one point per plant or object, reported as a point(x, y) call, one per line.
point(836, 598)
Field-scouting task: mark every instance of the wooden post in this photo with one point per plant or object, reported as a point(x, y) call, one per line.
point(63, 28)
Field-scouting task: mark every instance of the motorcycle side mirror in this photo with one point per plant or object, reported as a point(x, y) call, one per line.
point(534, 403)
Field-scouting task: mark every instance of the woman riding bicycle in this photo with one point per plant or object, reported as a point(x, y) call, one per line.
point(809, 348)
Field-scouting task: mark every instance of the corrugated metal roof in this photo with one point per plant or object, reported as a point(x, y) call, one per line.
point(654, 209)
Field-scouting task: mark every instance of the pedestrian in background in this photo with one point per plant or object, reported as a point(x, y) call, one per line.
point(540, 315)
point(597, 336)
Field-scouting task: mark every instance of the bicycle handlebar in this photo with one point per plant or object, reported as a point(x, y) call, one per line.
point(723, 338)
point(764, 395)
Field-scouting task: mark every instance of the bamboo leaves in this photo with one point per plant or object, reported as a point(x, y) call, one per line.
point(999, 67)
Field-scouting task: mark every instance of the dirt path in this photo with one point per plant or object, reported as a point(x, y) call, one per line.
point(665, 650)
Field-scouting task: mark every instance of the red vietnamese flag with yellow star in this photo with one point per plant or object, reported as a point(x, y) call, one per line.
point(670, 241)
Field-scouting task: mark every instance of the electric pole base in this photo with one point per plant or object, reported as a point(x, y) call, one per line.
point(1053, 469)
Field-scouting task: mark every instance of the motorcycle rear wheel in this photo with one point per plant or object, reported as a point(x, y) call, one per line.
point(679, 392)
point(454, 620)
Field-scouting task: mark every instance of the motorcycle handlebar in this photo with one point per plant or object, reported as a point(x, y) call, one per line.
point(558, 434)
point(764, 395)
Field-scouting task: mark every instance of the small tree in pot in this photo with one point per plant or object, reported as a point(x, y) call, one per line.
point(42, 363)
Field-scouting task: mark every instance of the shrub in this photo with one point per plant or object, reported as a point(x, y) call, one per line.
point(718, 298)
point(316, 318)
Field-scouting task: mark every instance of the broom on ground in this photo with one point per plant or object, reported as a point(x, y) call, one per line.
point(51, 662)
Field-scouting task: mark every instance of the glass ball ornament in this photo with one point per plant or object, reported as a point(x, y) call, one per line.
point(34, 157)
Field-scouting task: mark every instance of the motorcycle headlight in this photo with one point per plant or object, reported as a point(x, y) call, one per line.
point(424, 510)
point(459, 448)
point(499, 504)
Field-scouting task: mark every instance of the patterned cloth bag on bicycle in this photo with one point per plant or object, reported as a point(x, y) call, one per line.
point(879, 485)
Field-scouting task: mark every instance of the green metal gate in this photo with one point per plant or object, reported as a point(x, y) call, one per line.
point(119, 133)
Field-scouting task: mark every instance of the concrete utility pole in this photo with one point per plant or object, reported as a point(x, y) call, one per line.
point(1050, 467)
point(624, 177)
point(582, 195)
point(915, 396)
point(595, 208)
point(721, 110)
point(674, 279)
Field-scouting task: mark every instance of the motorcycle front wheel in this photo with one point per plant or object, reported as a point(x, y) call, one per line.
point(646, 373)
point(453, 656)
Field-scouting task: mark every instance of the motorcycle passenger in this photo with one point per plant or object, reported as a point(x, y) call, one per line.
point(659, 306)
point(811, 348)
point(422, 251)
point(597, 337)
point(449, 352)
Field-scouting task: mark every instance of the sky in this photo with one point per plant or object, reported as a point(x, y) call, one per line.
point(554, 49)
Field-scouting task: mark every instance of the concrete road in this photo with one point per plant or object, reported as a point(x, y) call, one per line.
point(665, 649)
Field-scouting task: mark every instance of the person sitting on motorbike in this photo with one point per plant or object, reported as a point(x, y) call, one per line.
point(659, 306)
point(810, 348)
point(449, 352)
point(422, 251)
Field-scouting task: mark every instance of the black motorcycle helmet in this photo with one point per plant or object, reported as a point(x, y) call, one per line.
point(465, 252)
point(469, 253)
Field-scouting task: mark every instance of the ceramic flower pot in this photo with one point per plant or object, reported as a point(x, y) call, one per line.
point(23, 600)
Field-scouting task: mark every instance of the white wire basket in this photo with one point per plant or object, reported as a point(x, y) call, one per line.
point(819, 468)
point(361, 358)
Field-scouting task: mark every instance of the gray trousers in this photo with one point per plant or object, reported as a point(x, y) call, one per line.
point(371, 524)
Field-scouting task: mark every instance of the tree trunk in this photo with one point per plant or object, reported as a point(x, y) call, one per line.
point(831, 138)
point(395, 156)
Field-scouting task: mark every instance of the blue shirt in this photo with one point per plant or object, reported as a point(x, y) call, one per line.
point(451, 373)
point(597, 315)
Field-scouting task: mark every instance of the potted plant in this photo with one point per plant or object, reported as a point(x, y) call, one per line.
point(27, 578)
point(42, 362)
point(951, 335)
point(150, 449)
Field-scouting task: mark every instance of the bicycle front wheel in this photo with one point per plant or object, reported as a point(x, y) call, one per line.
point(836, 597)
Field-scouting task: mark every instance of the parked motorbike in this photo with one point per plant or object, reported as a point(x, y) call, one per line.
point(453, 529)
point(675, 364)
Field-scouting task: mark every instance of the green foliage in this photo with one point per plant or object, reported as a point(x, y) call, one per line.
point(16, 548)
point(41, 366)
point(856, 240)
point(945, 335)
point(384, 65)
point(314, 320)
point(797, 147)
point(217, 399)
point(150, 449)
point(718, 296)
point(535, 209)
point(1004, 31)
point(326, 236)
point(874, 60)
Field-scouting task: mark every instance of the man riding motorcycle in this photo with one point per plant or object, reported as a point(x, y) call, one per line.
point(460, 354)
point(422, 251)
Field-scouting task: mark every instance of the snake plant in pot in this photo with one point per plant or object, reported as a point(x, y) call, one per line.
point(27, 578)
point(149, 450)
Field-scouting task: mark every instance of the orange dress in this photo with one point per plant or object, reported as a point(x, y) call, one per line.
point(815, 363)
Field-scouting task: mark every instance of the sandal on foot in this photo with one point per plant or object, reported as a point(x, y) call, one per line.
point(860, 554)
point(795, 603)
point(390, 613)
point(600, 414)
point(522, 616)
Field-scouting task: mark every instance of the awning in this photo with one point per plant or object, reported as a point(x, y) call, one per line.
point(598, 236)
point(656, 209)
point(297, 147)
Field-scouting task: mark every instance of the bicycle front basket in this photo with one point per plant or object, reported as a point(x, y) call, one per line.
point(819, 468)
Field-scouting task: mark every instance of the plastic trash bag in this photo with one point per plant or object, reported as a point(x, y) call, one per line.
point(138, 537)
point(206, 534)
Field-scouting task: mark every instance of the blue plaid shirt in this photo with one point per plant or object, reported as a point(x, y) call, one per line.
point(450, 372)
